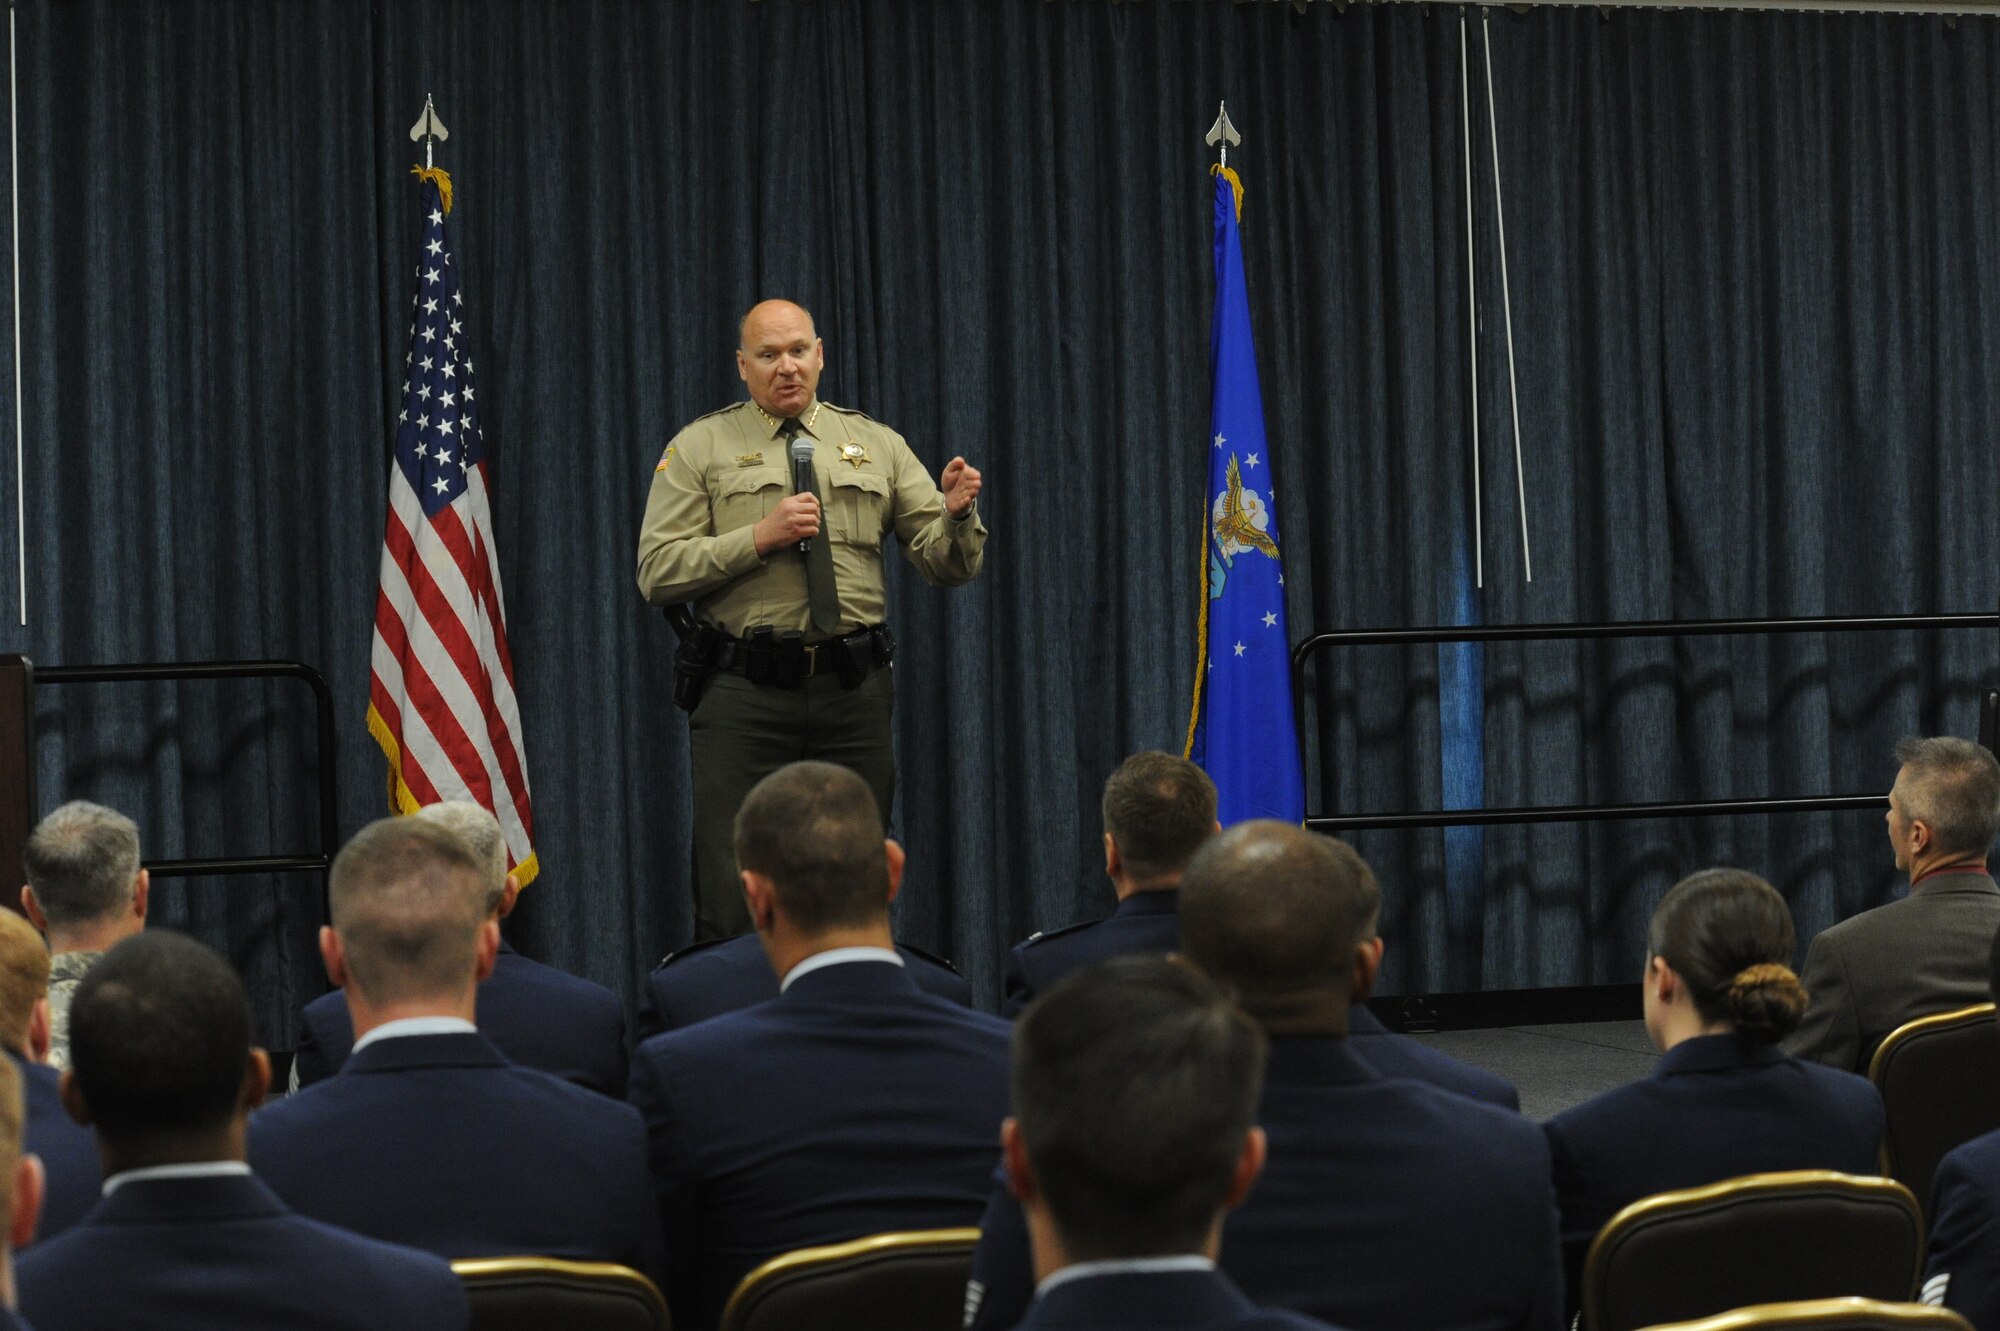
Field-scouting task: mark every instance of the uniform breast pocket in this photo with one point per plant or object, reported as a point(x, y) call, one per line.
point(743, 497)
point(857, 506)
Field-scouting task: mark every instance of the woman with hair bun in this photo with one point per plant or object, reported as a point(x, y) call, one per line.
point(1723, 1100)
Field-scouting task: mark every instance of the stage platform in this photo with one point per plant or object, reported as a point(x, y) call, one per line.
point(1555, 1066)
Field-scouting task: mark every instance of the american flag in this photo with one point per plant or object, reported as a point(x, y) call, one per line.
point(441, 692)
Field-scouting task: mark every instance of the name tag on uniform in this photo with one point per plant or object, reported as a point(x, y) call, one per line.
point(750, 460)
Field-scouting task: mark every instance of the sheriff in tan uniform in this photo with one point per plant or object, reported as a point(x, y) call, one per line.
point(722, 533)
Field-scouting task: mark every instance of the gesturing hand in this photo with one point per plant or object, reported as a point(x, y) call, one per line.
point(795, 518)
point(960, 483)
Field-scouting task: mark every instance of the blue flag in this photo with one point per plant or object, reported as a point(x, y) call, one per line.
point(1242, 732)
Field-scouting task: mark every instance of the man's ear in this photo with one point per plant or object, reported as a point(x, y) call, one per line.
point(32, 908)
point(39, 1035)
point(72, 1098)
point(28, 1180)
point(488, 948)
point(1367, 967)
point(142, 886)
point(1248, 1166)
point(1014, 1160)
point(334, 955)
point(896, 858)
point(256, 1079)
point(510, 892)
point(1920, 836)
point(762, 901)
point(1114, 863)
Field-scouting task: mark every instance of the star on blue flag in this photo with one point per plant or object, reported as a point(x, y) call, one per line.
point(1242, 732)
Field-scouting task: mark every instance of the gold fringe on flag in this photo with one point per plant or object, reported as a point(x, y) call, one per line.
point(1228, 173)
point(443, 182)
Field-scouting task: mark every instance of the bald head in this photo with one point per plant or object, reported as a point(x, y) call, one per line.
point(780, 356)
point(1277, 912)
point(408, 899)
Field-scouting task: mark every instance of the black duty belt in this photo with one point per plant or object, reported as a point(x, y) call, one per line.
point(786, 660)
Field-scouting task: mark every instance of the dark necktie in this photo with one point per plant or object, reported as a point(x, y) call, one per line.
point(822, 596)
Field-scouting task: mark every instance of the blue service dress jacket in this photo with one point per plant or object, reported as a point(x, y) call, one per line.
point(854, 1103)
point(223, 1254)
point(1145, 923)
point(437, 1142)
point(537, 1016)
point(1962, 1269)
point(1373, 1187)
point(1399, 1056)
point(1186, 1300)
point(73, 1177)
point(730, 974)
point(1714, 1107)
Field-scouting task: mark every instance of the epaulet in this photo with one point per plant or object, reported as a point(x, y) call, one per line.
point(1047, 934)
point(698, 420)
point(850, 411)
point(931, 957)
point(682, 954)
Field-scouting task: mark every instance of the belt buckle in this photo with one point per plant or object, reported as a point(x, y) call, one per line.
point(812, 657)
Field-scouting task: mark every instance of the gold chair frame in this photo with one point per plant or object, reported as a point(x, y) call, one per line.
point(802, 1260)
point(1879, 1063)
point(1825, 1312)
point(608, 1275)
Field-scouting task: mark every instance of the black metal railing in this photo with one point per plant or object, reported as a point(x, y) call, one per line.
point(1568, 813)
point(316, 861)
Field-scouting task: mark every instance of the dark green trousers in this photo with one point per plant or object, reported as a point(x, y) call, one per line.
point(741, 733)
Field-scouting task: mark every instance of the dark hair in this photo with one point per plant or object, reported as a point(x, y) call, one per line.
point(1728, 935)
point(407, 897)
point(82, 861)
point(1952, 785)
point(1270, 909)
point(159, 1037)
point(814, 831)
point(1135, 1084)
point(1158, 809)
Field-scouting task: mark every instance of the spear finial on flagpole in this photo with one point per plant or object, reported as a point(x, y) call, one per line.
point(429, 129)
point(432, 131)
point(1222, 132)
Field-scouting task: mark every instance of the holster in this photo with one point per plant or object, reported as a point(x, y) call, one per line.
point(694, 659)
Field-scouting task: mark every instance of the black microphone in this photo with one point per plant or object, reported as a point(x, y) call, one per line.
point(802, 473)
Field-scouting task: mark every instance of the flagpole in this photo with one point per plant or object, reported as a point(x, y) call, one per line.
point(1506, 299)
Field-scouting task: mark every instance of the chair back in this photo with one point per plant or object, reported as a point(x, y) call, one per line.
point(536, 1293)
point(911, 1281)
point(1830, 1315)
point(1762, 1238)
point(1940, 1083)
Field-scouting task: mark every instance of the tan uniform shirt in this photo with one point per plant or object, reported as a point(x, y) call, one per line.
point(724, 472)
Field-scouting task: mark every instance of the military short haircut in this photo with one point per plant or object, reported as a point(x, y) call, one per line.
point(159, 1038)
point(24, 978)
point(813, 829)
point(82, 861)
point(1135, 1083)
point(480, 831)
point(1270, 909)
point(1952, 786)
point(1158, 809)
point(407, 898)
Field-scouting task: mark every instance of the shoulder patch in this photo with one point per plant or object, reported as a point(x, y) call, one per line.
point(665, 458)
point(1047, 934)
point(931, 957)
point(688, 951)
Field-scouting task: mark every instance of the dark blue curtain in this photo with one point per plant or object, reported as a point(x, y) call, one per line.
point(1753, 294)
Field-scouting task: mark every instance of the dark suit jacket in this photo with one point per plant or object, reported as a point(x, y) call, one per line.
point(1714, 1107)
point(1195, 1300)
point(1874, 971)
point(1145, 922)
point(851, 1104)
point(67, 1149)
point(1398, 1056)
point(536, 1015)
point(730, 974)
point(214, 1254)
point(1963, 1268)
point(437, 1142)
point(1385, 1206)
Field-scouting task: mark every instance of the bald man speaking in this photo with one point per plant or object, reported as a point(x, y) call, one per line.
point(765, 527)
